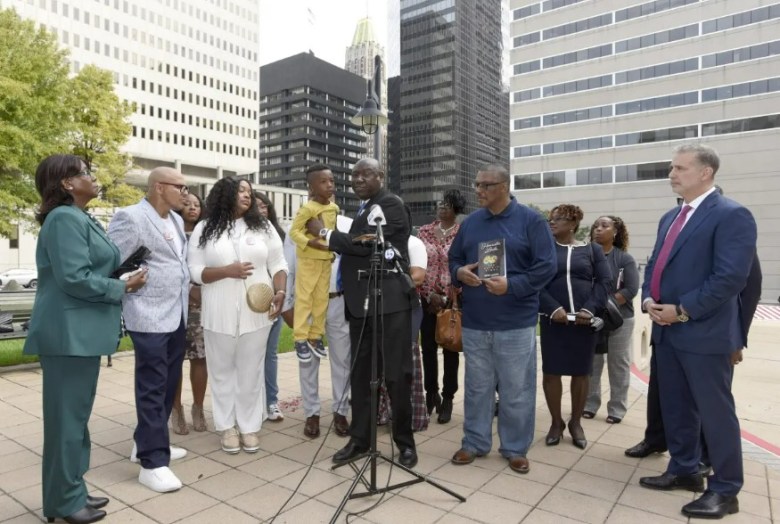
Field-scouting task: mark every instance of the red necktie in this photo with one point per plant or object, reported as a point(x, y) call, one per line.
point(663, 255)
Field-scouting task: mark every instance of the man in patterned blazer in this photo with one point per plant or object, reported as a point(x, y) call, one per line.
point(155, 318)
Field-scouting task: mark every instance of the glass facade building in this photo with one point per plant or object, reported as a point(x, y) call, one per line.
point(453, 110)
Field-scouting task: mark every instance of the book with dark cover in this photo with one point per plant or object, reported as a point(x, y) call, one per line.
point(492, 259)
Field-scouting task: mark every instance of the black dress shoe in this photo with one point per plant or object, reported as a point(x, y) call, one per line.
point(445, 411)
point(348, 452)
point(643, 449)
point(668, 482)
point(408, 458)
point(97, 502)
point(712, 506)
point(85, 515)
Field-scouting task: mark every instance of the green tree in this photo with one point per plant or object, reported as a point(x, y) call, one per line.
point(34, 118)
point(100, 127)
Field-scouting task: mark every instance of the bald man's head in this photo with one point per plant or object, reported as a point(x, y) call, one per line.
point(166, 189)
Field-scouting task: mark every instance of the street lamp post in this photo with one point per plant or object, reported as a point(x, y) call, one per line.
point(370, 116)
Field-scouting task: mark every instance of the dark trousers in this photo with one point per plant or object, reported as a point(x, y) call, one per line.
point(69, 385)
point(158, 361)
point(654, 432)
point(394, 333)
point(695, 392)
point(430, 350)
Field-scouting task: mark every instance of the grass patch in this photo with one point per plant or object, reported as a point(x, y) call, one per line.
point(11, 351)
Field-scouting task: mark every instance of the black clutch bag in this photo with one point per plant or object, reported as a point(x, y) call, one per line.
point(133, 262)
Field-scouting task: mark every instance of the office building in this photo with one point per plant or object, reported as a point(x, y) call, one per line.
point(189, 67)
point(305, 110)
point(602, 91)
point(359, 59)
point(453, 110)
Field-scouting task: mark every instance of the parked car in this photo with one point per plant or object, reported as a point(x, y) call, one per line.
point(24, 277)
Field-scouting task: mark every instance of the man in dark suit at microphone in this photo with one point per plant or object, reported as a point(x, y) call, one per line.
point(395, 357)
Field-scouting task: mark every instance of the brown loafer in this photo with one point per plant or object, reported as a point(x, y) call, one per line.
point(519, 464)
point(312, 426)
point(341, 425)
point(464, 456)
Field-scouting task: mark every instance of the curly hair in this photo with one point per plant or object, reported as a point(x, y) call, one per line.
point(48, 182)
point(621, 231)
point(569, 212)
point(456, 200)
point(220, 210)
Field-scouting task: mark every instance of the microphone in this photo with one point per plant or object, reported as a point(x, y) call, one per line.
point(394, 256)
point(376, 218)
point(376, 215)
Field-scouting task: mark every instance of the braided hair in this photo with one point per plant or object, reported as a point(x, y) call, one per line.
point(569, 212)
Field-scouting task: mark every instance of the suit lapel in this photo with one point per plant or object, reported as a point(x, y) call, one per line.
point(93, 223)
point(159, 224)
point(699, 217)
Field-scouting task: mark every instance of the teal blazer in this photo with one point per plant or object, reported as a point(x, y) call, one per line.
point(77, 306)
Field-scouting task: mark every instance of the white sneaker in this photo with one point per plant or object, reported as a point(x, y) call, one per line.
point(176, 453)
point(274, 413)
point(161, 480)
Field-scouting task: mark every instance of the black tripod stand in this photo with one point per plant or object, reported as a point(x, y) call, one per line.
point(373, 455)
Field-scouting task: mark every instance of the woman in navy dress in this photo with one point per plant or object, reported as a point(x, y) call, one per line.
point(578, 291)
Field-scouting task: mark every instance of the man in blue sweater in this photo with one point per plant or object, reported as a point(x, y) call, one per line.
point(499, 319)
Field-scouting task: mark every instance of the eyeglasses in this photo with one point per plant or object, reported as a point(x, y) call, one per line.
point(557, 219)
point(181, 187)
point(86, 173)
point(485, 185)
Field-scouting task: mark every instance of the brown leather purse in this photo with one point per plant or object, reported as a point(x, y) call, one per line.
point(448, 325)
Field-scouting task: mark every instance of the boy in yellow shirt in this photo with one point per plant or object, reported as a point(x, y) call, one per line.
point(312, 274)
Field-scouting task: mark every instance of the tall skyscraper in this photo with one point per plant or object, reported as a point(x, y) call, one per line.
point(305, 110)
point(453, 111)
point(359, 59)
point(602, 92)
point(190, 68)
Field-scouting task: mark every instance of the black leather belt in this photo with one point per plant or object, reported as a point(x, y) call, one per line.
point(335, 295)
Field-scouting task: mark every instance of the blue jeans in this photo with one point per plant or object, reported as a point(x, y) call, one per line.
point(509, 357)
point(272, 364)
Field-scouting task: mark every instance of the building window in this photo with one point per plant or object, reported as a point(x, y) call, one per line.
point(662, 37)
point(649, 8)
point(657, 135)
point(741, 19)
point(669, 68)
point(656, 103)
point(742, 125)
point(525, 12)
point(578, 56)
point(577, 85)
point(578, 26)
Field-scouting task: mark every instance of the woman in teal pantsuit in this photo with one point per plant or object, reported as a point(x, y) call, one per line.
point(75, 320)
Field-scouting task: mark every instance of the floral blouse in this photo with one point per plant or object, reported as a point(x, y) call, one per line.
point(437, 277)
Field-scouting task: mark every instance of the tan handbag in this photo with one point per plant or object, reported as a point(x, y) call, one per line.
point(259, 297)
point(448, 328)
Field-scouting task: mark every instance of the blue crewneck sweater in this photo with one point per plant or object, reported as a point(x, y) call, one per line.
point(530, 264)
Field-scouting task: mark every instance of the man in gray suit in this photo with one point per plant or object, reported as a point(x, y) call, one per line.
point(155, 318)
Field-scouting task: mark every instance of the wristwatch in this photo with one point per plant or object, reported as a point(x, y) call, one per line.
point(324, 232)
point(681, 317)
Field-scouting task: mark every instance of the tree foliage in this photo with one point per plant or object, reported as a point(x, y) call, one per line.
point(100, 127)
point(34, 119)
point(43, 111)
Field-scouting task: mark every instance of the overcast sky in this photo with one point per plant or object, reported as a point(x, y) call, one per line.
point(288, 27)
